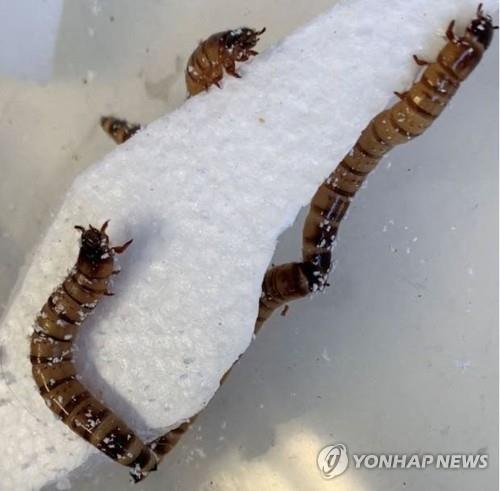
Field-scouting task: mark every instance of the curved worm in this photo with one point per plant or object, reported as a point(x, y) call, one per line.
point(52, 356)
point(416, 110)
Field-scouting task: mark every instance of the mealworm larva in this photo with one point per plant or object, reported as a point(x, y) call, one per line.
point(416, 110)
point(411, 116)
point(217, 53)
point(119, 129)
point(52, 356)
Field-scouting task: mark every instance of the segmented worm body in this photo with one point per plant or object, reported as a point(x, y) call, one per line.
point(283, 284)
point(217, 54)
point(416, 110)
point(52, 356)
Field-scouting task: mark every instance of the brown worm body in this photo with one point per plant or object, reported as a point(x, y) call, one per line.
point(167, 442)
point(282, 284)
point(411, 116)
point(52, 356)
point(120, 130)
point(217, 54)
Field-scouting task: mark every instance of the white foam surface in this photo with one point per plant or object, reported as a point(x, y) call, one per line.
point(204, 192)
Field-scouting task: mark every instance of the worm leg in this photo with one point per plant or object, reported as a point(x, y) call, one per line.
point(230, 67)
point(400, 95)
point(122, 248)
point(104, 226)
point(420, 61)
point(450, 35)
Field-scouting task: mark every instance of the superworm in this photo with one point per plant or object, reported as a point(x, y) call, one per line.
point(416, 110)
point(52, 356)
point(217, 54)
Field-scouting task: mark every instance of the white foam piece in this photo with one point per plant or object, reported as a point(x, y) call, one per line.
point(205, 191)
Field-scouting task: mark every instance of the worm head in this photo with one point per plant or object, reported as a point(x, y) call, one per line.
point(481, 28)
point(118, 129)
point(94, 242)
point(242, 41)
